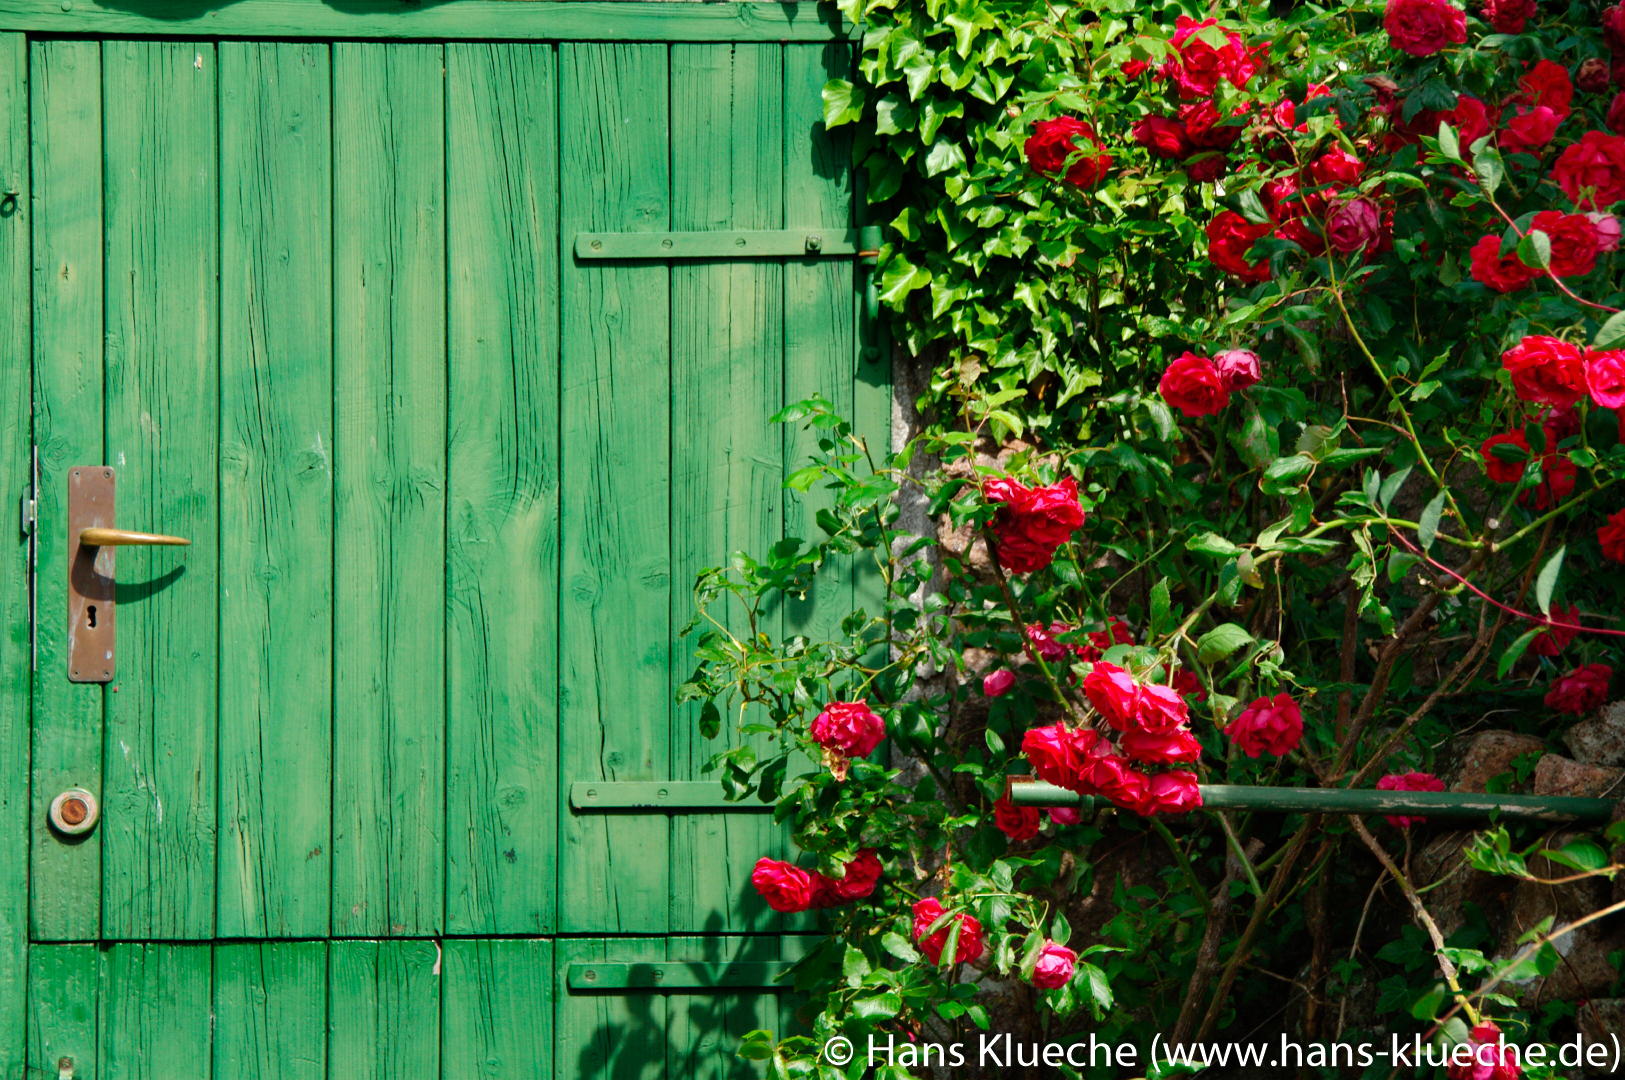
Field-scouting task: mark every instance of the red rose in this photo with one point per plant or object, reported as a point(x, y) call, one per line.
point(1557, 475)
point(1053, 141)
point(1195, 67)
point(1055, 966)
point(1171, 793)
point(1489, 1057)
point(996, 683)
point(1581, 690)
point(1043, 641)
point(1471, 121)
point(1546, 371)
point(1355, 226)
point(1016, 822)
point(1194, 385)
point(849, 728)
point(1033, 522)
point(1208, 168)
point(1204, 128)
point(1163, 137)
point(1500, 471)
point(1593, 169)
point(1616, 114)
point(970, 946)
point(1548, 84)
point(1611, 536)
point(785, 888)
point(1114, 692)
point(1411, 781)
point(1555, 636)
point(1133, 69)
point(1055, 752)
point(1530, 130)
point(1336, 166)
point(1238, 369)
point(1592, 75)
point(1574, 241)
point(1117, 632)
point(1160, 709)
point(861, 876)
point(1174, 747)
point(1613, 29)
point(1301, 232)
point(1051, 512)
point(1115, 779)
point(1423, 27)
point(1503, 273)
point(1507, 16)
point(1268, 725)
point(1187, 683)
point(1605, 377)
point(1560, 424)
point(1229, 235)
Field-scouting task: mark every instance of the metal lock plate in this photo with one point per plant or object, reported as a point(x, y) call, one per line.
point(91, 642)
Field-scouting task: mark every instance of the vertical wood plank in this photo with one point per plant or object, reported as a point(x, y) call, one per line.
point(270, 1011)
point(15, 434)
point(63, 994)
point(384, 1009)
point(704, 1030)
point(162, 196)
point(276, 488)
point(155, 1011)
point(727, 370)
point(498, 1011)
point(503, 466)
point(610, 1035)
point(389, 514)
point(615, 525)
point(67, 207)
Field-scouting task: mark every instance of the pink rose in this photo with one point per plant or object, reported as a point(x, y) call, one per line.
point(1016, 822)
point(862, 874)
point(1581, 690)
point(1489, 1058)
point(1605, 377)
point(1238, 369)
point(1171, 793)
point(995, 683)
point(1411, 781)
point(1268, 725)
point(1194, 385)
point(786, 888)
point(1055, 752)
point(1546, 371)
point(1159, 709)
point(1055, 966)
point(1574, 241)
point(849, 728)
point(970, 946)
point(1176, 747)
point(1066, 815)
point(1355, 225)
point(1043, 641)
point(1607, 226)
point(1423, 27)
point(1114, 692)
point(1592, 171)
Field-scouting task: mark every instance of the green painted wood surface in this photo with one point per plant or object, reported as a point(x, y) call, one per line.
point(383, 1010)
point(615, 525)
point(498, 1011)
point(154, 1012)
point(15, 433)
point(727, 349)
point(66, 96)
point(162, 194)
point(64, 984)
point(276, 490)
point(611, 1034)
point(502, 696)
point(389, 371)
point(270, 1011)
point(495, 20)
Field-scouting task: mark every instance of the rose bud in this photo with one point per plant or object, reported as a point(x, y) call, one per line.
point(995, 683)
point(1592, 75)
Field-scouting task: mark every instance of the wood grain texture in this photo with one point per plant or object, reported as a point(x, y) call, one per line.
point(703, 1031)
point(276, 490)
point(615, 549)
point(384, 1010)
point(389, 516)
point(162, 415)
point(63, 997)
point(155, 1015)
point(15, 436)
point(498, 1012)
point(270, 1011)
point(610, 1034)
point(502, 782)
point(727, 469)
point(66, 97)
point(457, 19)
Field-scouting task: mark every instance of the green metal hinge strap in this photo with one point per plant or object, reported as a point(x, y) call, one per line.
point(1431, 804)
point(693, 795)
point(679, 976)
point(810, 243)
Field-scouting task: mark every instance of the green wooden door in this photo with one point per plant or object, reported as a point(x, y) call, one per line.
point(316, 303)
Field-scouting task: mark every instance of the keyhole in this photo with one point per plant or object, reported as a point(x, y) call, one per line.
point(92, 613)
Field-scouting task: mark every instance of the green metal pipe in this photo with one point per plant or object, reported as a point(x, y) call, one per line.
point(1429, 804)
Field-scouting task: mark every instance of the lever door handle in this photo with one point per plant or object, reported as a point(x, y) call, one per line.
point(125, 538)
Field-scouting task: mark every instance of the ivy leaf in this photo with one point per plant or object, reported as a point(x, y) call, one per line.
point(1547, 581)
point(843, 103)
point(946, 154)
point(900, 279)
point(1220, 642)
point(1428, 526)
point(1611, 331)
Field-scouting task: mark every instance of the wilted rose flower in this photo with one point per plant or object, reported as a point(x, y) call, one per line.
point(1411, 781)
point(1355, 225)
point(1581, 690)
point(1268, 725)
point(1238, 369)
point(1508, 16)
point(1592, 75)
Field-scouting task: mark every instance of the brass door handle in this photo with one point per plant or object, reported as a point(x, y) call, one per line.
point(125, 538)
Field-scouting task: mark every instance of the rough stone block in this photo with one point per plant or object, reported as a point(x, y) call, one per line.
point(1600, 740)
point(1558, 775)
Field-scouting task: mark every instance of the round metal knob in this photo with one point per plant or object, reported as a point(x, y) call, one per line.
point(74, 812)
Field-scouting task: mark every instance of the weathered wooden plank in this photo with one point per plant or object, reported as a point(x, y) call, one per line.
point(703, 1031)
point(276, 487)
point(63, 991)
point(389, 367)
point(155, 1022)
point(615, 525)
point(727, 469)
point(66, 93)
point(498, 1011)
point(611, 1035)
point(457, 19)
point(15, 652)
point(503, 467)
point(270, 1010)
point(384, 1009)
point(162, 195)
